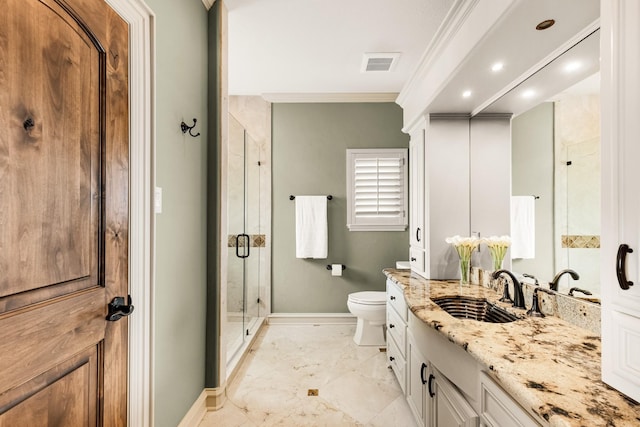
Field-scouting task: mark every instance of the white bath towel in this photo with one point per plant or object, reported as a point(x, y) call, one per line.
point(523, 227)
point(311, 227)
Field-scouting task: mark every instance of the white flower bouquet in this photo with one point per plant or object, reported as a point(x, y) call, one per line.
point(464, 247)
point(498, 248)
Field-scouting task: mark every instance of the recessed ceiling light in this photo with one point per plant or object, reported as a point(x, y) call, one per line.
point(572, 66)
point(529, 93)
point(466, 94)
point(547, 23)
point(497, 66)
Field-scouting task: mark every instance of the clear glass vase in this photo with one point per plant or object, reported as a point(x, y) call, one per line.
point(465, 271)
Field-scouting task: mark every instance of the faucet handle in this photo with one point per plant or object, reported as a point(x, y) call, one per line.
point(534, 311)
point(574, 289)
point(532, 277)
point(505, 291)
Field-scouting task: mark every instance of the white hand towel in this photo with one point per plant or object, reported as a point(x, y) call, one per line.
point(311, 227)
point(523, 227)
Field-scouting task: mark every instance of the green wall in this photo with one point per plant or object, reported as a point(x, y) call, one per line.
point(309, 157)
point(179, 295)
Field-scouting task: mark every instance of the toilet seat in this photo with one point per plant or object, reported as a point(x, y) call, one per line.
point(369, 298)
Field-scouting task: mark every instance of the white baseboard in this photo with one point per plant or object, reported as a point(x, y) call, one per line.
point(211, 399)
point(312, 319)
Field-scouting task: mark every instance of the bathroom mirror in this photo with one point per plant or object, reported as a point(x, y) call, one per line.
point(556, 161)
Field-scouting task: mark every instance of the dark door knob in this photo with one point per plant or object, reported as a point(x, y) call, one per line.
point(118, 308)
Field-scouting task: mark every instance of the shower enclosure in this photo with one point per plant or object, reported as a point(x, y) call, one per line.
point(246, 247)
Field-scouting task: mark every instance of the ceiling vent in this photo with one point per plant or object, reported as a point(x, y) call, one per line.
point(379, 62)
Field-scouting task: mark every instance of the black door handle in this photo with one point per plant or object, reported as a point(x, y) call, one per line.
point(431, 378)
point(118, 308)
point(246, 245)
point(422, 370)
point(418, 234)
point(621, 271)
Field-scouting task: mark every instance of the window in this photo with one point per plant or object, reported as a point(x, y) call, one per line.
point(377, 189)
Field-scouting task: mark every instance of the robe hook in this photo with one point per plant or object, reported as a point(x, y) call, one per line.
point(184, 127)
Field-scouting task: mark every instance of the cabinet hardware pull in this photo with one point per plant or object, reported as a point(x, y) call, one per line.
point(391, 325)
point(413, 259)
point(392, 298)
point(392, 358)
point(418, 234)
point(422, 369)
point(431, 393)
point(623, 250)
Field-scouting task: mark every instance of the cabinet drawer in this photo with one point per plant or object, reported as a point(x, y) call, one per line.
point(397, 330)
point(395, 297)
point(398, 364)
point(416, 256)
point(498, 409)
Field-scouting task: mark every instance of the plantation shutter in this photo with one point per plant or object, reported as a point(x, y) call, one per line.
point(377, 189)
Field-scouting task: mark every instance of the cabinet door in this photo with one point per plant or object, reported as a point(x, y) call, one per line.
point(448, 407)
point(416, 188)
point(620, 65)
point(417, 375)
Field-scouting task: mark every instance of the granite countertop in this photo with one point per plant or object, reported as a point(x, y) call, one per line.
point(549, 366)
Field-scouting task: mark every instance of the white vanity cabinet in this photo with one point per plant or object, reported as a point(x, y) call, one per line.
point(434, 365)
point(498, 409)
point(417, 221)
point(620, 65)
point(397, 332)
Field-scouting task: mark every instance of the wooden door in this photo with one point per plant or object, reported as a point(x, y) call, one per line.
point(63, 213)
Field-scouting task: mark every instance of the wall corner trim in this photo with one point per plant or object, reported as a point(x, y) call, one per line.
point(208, 3)
point(211, 399)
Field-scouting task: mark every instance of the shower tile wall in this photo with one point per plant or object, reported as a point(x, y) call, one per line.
point(577, 188)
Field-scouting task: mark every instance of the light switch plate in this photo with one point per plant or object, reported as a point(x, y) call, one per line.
point(157, 200)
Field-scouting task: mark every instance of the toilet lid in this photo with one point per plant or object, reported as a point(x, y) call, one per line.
point(369, 297)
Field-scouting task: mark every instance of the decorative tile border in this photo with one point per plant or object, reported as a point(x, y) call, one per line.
point(580, 241)
point(257, 241)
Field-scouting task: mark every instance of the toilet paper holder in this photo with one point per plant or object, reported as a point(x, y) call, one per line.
point(329, 267)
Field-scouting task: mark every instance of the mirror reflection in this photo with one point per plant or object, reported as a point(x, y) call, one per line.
point(556, 167)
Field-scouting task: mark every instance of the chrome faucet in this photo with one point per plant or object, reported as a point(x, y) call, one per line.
point(518, 296)
point(553, 285)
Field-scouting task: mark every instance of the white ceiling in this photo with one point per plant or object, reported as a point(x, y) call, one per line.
point(317, 46)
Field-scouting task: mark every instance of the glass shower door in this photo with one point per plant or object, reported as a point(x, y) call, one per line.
point(244, 237)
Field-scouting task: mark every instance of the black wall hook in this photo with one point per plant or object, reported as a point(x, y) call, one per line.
point(184, 128)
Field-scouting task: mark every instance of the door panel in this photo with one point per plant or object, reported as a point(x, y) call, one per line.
point(51, 154)
point(63, 212)
point(53, 399)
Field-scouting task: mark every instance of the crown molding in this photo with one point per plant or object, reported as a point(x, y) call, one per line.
point(450, 26)
point(330, 97)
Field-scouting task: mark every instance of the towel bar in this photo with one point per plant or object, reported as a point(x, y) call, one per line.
point(292, 197)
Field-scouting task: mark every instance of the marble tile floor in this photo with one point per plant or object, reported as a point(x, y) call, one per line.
point(275, 385)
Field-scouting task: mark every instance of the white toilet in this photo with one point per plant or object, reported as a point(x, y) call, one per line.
point(370, 307)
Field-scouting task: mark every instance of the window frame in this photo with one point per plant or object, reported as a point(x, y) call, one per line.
point(377, 223)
